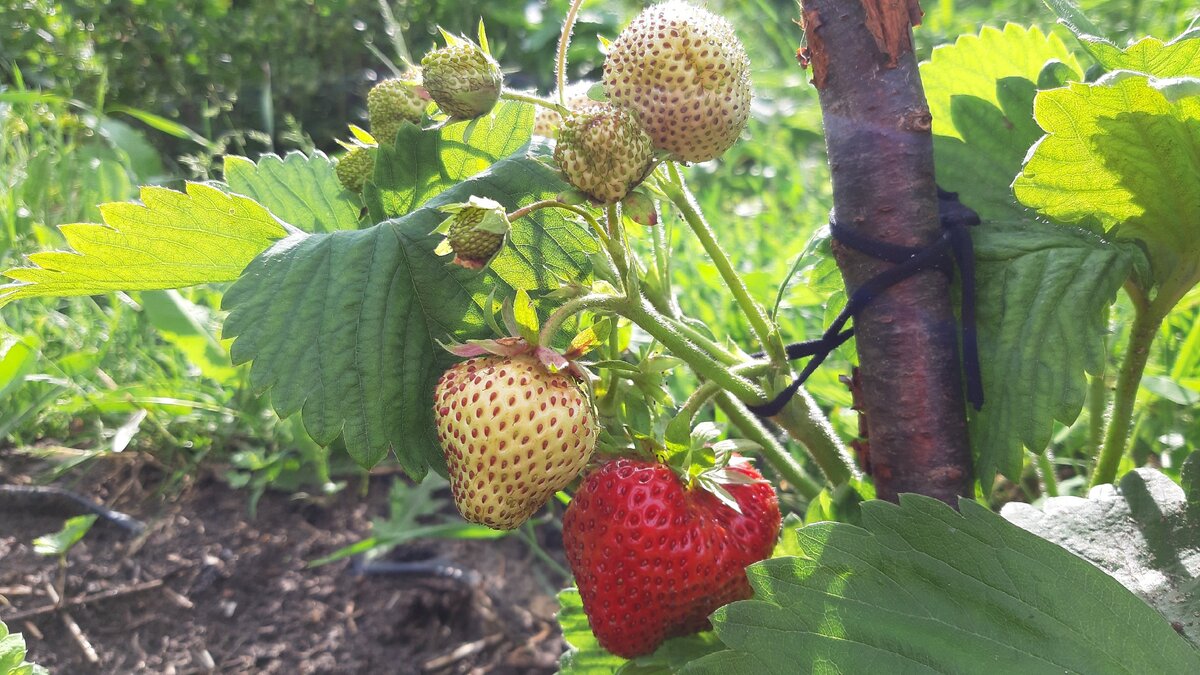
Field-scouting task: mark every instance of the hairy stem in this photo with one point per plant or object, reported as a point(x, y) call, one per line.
point(564, 41)
point(677, 191)
point(592, 301)
point(1146, 323)
point(536, 100)
point(640, 312)
point(804, 421)
point(772, 450)
point(1049, 479)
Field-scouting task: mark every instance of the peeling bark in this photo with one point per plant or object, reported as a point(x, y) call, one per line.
point(877, 129)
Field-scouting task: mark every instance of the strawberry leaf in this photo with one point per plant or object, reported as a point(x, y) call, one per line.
point(300, 190)
point(343, 326)
point(981, 92)
point(12, 655)
point(1041, 296)
point(421, 164)
point(921, 588)
point(1124, 153)
point(170, 240)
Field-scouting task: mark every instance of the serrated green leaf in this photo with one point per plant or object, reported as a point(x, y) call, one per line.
point(302, 191)
point(423, 163)
point(343, 326)
point(920, 588)
point(12, 655)
point(1041, 295)
point(1178, 58)
point(585, 656)
point(981, 92)
point(170, 240)
point(974, 63)
point(1142, 534)
point(1125, 155)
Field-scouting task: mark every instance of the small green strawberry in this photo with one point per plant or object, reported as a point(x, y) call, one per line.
point(355, 167)
point(474, 231)
point(513, 433)
point(603, 151)
point(687, 74)
point(462, 77)
point(393, 102)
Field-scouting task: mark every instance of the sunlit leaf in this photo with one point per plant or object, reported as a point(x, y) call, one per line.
point(921, 588)
point(170, 240)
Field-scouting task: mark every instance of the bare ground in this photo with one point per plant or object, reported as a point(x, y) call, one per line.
point(208, 589)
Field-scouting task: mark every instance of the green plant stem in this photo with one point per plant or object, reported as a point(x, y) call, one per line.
point(564, 41)
point(772, 450)
point(555, 204)
point(662, 258)
point(677, 191)
point(804, 421)
point(1145, 327)
point(717, 351)
point(616, 244)
point(536, 100)
point(639, 311)
point(696, 401)
point(1049, 479)
point(592, 301)
point(527, 534)
point(1097, 402)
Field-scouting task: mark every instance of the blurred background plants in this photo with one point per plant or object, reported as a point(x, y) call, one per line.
point(98, 98)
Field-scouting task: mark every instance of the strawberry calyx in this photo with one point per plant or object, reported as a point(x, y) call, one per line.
point(704, 463)
point(524, 337)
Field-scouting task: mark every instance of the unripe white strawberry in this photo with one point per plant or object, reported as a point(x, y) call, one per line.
point(513, 434)
point(462, 77)
point(686, 73)
point(393, 102)
point(603, 151)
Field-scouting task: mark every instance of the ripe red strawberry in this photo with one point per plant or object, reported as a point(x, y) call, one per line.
point(653, 557)
point(513, 434)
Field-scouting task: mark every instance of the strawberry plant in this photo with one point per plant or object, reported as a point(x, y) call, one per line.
point(989, 205)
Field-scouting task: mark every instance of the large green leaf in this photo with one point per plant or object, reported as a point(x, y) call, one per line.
point(421, 164)
point(302, 191)
point(1041, 297)
point(585, 656)
point(1124, 153)
point(343, 326)
point(981, 92)
point(975, 63)
point(1142, 533)
point(171, 240)
point(921, 588)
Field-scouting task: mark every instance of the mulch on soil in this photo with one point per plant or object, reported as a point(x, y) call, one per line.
point(208, 589)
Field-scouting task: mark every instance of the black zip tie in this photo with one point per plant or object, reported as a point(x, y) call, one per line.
point(952, 248)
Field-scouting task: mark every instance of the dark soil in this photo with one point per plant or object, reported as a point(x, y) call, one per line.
point(209, 589)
